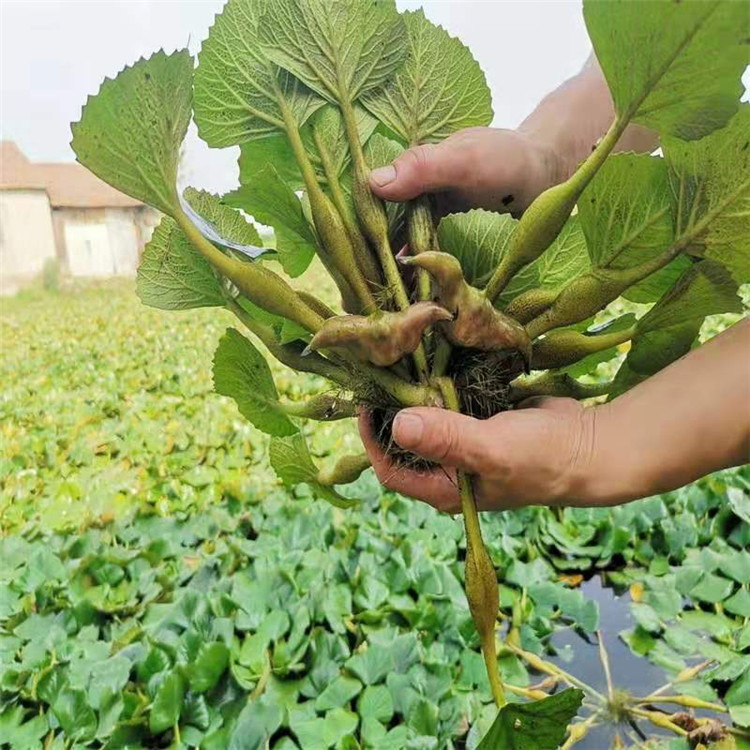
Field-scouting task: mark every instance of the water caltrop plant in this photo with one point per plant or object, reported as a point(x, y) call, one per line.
point(472, 311)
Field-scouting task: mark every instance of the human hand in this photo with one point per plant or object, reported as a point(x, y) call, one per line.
point(500, 170)
point(538, 454)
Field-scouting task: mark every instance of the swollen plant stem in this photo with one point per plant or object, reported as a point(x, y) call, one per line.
point(594, 290)
point(557, 384)
point(260, 285)
point(578, 732)
point(421, 239)
point(372, 216)
point(337, 252)
point(481, 579)
point(370, 209)
point(406, 393)
point(566, 347)
point(312, 363)
point(546, 216)
point(659, 719)
point(364, 257)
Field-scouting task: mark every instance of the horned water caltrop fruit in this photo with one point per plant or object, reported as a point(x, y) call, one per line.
point(319, 92)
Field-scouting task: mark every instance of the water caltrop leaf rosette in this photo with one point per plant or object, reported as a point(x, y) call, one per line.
point(317, 93)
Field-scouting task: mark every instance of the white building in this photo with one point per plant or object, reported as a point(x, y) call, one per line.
point(64, 212)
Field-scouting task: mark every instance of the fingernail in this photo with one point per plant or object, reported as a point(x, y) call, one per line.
point(407, 429)
point(383, 175)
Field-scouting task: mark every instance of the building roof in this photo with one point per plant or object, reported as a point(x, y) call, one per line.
point(68, 185)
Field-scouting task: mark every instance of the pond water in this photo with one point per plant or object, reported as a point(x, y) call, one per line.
point(629, 672)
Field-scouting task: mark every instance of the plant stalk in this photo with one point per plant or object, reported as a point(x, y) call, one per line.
point(337, 250)
point(659, 720)
point(256, 282)
point(405, 392)
point(372, 216)
point(542, 665)
point(529, 305)
point(683, 700)
point(481, 578)
point(364, 257)
point(322, 408)
point(546, 216)
point(422, 239)
point(286, 354)
point(564, 348)
point(556, 384)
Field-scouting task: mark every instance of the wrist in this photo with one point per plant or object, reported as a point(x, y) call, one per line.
point(608, 468)
point(570, 120)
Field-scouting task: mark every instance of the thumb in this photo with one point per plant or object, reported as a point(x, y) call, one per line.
point(442, 436)
point(423, 169)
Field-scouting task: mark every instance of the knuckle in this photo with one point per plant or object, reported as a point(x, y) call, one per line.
point(446, 440)
point(417, 161)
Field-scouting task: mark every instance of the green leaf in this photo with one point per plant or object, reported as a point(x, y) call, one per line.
point(269, 200)
point(740, 715)
point(375, 702)
point(739, 693)
point(76, 717)
point(290, 459)
point(533, 726)
point(256, 155)
point(423, 718)
point(646, 617)
point(560, 263)
point(736, 565)
point(108, 676)
point(478, 239)
point(315, 733)
point(230, 225)
point(239, 93)
point(438, 90)
point(341, 49)
point(255, 726)
point(20, 734)
point(130, 133)
point(668, 330)
point(379, 152)
point(167, 705)
point(626, 215)
point(338, 693)
point(195, 713)
point(739, 603)
point(685, 79)
point(326, 130)
point(173, 275)
point(739, 502)
point(712, 589)
point(209, 665)
point(710, 182)
point(242, 373)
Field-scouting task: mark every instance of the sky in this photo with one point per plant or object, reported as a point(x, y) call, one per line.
point(54, 53)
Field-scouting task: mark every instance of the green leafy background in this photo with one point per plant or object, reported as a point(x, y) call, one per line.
point(160, 587)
